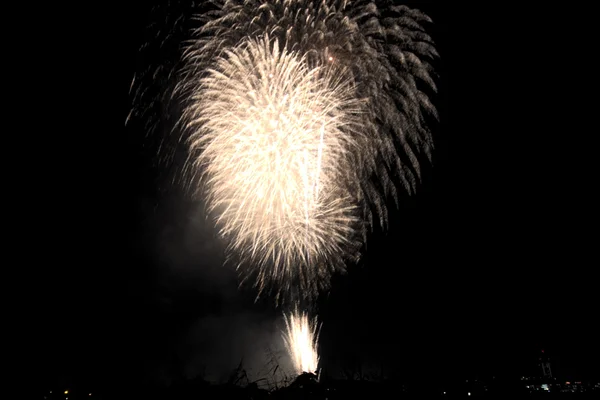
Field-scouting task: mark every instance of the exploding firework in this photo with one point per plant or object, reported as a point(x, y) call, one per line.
point(275, 138)
point(303, 119)
point(300, 338)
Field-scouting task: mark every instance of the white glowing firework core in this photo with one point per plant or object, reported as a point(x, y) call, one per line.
point(274, 144)
point(301, 337)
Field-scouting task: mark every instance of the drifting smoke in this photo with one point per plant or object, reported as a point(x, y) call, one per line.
point(303, 118)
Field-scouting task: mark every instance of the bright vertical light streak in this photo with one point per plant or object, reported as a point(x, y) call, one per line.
point(300, 337)
point(319, 155)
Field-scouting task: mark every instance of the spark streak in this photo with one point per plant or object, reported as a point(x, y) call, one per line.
point(301, 338)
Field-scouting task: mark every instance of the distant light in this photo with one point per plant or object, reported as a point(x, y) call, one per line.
point(567, 383)
point(330, 58)
point(89, 394)
point(469, 393)
point(66, 392)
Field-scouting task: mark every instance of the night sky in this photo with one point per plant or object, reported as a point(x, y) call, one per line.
point(491, 262)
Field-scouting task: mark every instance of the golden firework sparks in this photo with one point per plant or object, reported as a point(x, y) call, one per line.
point(301, 336)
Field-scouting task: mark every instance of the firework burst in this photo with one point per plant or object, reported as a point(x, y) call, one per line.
point(300, 337)
point(275, 137)
point(303, 118)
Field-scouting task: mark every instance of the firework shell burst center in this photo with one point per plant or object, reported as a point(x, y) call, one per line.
point(274, 144)
point(303, 119)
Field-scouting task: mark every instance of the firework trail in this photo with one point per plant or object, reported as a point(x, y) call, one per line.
point(303, 118)
point(300, 338)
